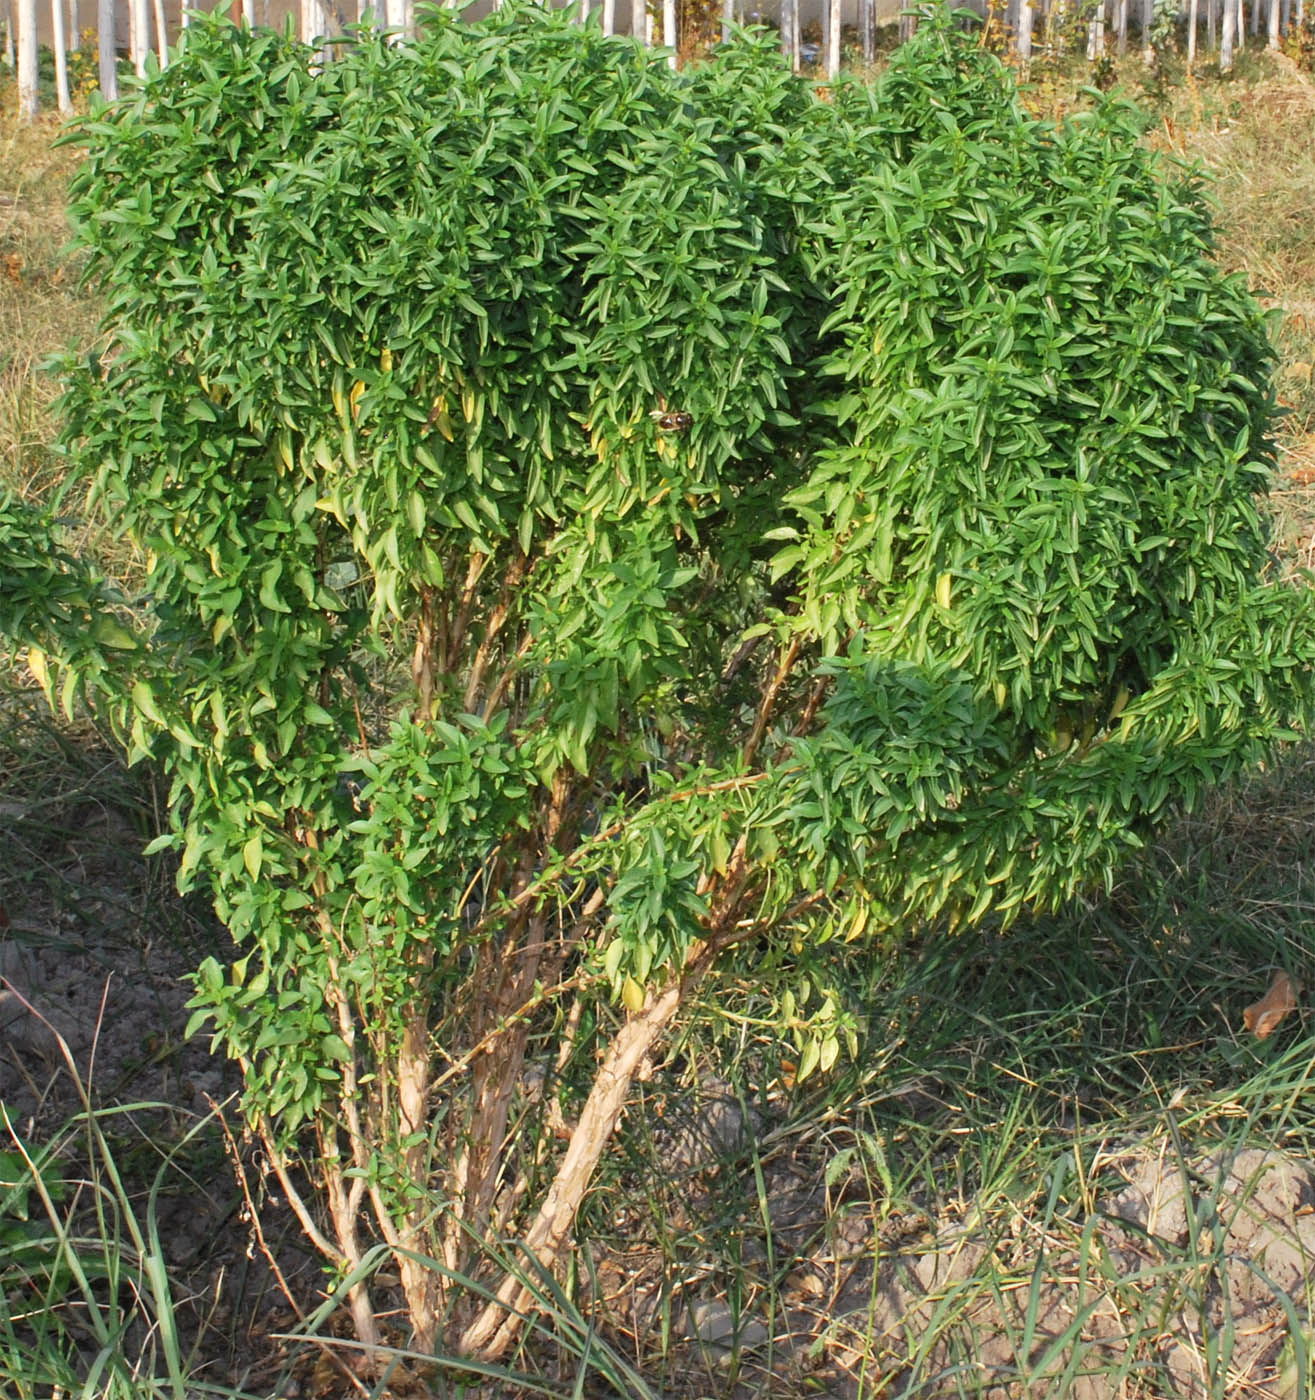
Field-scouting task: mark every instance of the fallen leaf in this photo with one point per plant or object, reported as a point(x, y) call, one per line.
point(1263, 1016)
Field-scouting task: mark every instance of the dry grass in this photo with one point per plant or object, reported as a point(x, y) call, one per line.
point(1253, 134)
point(42, 308)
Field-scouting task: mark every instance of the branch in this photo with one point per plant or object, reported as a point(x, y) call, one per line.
point(515, 575)
point(457, 631)
point(769, 698)
point(497, 1324)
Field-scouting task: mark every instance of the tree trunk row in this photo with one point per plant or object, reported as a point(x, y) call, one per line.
point(147, 25)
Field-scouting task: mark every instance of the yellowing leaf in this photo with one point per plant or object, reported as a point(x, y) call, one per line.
point(632, 994)
point(251, 856)
point(36, 663)
point(859, 924)
point(386, 359)
point(943, 584)
point(355, 397)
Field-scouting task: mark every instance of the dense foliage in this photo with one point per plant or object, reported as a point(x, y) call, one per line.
point(610, 526)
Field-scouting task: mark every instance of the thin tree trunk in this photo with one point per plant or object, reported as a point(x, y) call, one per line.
point(1241, 25)
point(1274, 18)
point(609, 16)
point(62, 95)
point(787, 33)
point(1255, 18)
point(639, 20)
point(106, 56)
point(1096, 34)
point(1211, 33)
point(9, 35)
point(727, 20)
point(1191, 32)
point(867, 29)
point(669, 36)
point(495, 1328)
point(74, 26)
point(28, 101)
point(1024, 39)
point(314, 20)
point(1285, 18)
point(141, 34)
point(1226, 38)
point(1121, 26)
point(584, 11)
point(161, 34)
point(833, 39)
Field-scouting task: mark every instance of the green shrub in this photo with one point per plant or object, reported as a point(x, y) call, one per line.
point(612, 528)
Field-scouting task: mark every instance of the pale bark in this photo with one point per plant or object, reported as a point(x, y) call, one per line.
point(105, 50)
point(1096, 34)
point(1192, 19)
point(833, 38)
point(790, 32)
point(1240, 24)
point(493, 1331)
point(639, 20)
point(62, 95)
point(28, 100)
point(867, 29)
point(727, 19)
point(1273, 23)
point(1226, 38)
point(314, 20)
point(1211, 34)
point(161, 34)
point(1023, 38)
point(9, 35)
point(1121, 25)
point(609, 16)
point(669, 36)
point(140, 34)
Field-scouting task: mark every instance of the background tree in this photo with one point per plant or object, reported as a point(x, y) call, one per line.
point(28, 99)
point(106, 51)
point(615, 530)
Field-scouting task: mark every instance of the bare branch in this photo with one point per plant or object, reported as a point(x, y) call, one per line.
point(769, 699)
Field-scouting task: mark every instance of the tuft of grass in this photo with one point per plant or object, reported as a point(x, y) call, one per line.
point(87, 1305)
